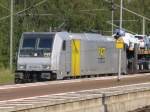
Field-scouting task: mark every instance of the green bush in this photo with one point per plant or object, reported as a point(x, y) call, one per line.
point(6, 77)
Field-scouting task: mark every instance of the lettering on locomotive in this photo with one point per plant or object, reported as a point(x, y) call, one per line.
point(102, 54)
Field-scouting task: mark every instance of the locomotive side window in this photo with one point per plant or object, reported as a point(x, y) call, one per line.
point(29, 43)
point(45, 43)
point(64, 45)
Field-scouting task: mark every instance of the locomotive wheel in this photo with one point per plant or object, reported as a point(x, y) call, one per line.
point(54, 76)
point(34, 78)
point(18, 81)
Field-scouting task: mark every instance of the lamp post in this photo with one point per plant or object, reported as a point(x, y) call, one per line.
point(119, 60)
point(143, 26)
point(121, 6)
point(11, 35)
point(112, 17)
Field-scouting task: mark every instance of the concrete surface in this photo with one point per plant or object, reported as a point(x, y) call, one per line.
point(114, 99)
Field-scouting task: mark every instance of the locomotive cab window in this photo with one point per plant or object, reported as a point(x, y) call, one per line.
point(29, 43)
point(45, 43)
point(36, 43)
point(64, 45)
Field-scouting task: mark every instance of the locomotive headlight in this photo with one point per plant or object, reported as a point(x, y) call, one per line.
point(22, 66)
point(47, 67)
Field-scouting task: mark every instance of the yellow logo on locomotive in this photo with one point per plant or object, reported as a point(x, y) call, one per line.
point(102, 52)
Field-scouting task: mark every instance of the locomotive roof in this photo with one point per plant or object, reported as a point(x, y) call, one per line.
point(39, 32)
point(91, 36)
point(82, 36)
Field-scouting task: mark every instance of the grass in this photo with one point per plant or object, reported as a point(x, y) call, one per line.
point(6, 77)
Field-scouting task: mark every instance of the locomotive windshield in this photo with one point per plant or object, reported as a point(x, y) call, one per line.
point(45, 43)
point(36, 44)
point(29, 43)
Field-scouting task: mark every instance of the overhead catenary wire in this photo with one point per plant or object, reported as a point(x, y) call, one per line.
point(128, 10)
point(37, 4)
point(29, 14)
point(1, 5)
point(88, 10)
point(146, 18)
point(108, 22)
point(24, 10)
point(11, 28)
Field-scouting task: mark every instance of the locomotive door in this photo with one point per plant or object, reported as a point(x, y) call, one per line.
point(75, 66)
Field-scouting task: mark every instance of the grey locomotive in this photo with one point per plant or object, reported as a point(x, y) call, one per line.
point(59, 55)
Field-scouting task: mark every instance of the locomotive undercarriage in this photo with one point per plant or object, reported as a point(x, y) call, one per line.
point(34, 76)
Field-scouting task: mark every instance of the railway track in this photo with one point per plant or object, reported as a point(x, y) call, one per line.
point(10, 92)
